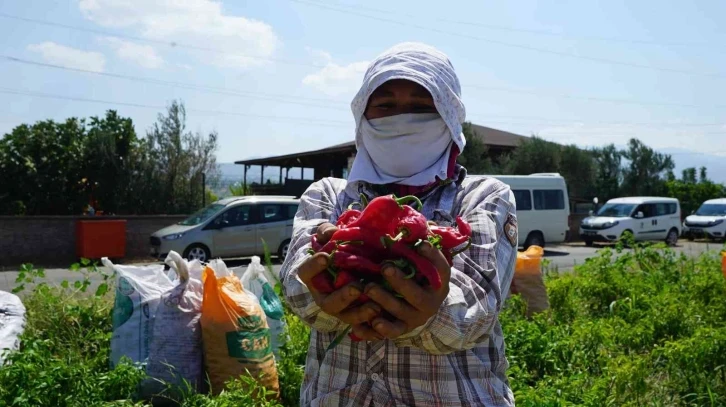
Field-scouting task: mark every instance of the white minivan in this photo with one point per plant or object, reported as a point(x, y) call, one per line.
point(543, 208)
point(231, 227)
point(708, 221)
point(646, 218)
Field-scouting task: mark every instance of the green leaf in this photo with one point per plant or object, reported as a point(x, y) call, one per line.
point(77, 284)
point(64, 284)
point(75, 267)
point(85, 262)
point(102, 290)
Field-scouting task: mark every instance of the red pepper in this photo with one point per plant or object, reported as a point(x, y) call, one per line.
point(347, 217)
point(345, 260)
point(412, 226)
point(450, 237)
point(353, 337)
point(380, 217)
point(323, 282)
point(315, 244)
point(343, 278)
point(374, 254)
point(464, 226)
point(422, 265)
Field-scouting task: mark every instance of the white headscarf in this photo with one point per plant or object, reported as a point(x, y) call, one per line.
point(431, 69)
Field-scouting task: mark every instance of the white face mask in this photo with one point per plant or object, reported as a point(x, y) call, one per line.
point(408, 147)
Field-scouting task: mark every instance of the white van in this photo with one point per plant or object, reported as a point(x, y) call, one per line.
point(543, 208)
point(231, 227)
point(646, 218)
point(709, 221)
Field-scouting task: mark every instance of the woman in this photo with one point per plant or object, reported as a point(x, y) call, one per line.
point(444, 347)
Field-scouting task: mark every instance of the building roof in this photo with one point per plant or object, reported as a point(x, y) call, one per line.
point(492, 138)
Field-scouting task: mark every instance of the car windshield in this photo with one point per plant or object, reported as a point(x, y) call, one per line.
point(202, 215)
point(712, 210)
point(616, 210)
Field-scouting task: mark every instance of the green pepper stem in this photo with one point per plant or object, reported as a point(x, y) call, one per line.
point(463, 249)
point(355, 203)
point(363, 201)
point(410, 198)
point(339, 338)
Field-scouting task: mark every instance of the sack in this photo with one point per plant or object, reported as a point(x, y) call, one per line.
point(138, 292)
point(12, 323)
point(235, 334)
point(258, 280)
point(528, 280)
point(175, 352)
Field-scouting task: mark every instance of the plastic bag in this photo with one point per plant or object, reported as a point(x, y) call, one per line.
point(175, 351)
point(12, 323)
point(235, 334)
point(528, 280)
point(138, 292)
point(258, 280)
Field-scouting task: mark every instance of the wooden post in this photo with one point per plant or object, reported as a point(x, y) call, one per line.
point(280, 182)
point(244, 181)
point(262, 175)
point(301, 172)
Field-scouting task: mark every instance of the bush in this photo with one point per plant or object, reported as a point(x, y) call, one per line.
point(646, 327)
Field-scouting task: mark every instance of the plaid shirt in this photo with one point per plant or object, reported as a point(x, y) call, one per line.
point(455, 359)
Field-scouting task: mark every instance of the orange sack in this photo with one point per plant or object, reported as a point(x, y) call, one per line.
point(528, 281)
point(236, 338)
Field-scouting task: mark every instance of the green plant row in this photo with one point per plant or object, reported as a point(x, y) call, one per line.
point(645, 327)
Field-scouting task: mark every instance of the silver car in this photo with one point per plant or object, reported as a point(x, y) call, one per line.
point(231, 227)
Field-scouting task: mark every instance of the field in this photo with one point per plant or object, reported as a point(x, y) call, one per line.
point(640, 328)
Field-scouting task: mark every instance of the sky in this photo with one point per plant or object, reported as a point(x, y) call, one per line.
point(277, 76)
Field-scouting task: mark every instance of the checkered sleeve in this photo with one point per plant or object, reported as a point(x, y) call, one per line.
point(317, 205)
point(480, 276)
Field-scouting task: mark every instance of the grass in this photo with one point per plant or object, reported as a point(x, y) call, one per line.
point(642, 328)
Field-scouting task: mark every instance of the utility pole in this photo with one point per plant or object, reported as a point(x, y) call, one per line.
point(204, 190)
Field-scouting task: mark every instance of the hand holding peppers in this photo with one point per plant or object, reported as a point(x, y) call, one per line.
point(338, 302)
point(390, 246)
point(419, 303)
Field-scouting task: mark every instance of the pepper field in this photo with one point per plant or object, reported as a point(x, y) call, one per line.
point(640, 328)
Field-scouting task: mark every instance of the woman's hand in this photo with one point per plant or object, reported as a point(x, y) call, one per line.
point(418, 304)
point(337, 303)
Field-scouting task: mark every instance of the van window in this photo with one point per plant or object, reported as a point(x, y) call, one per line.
point(549, 199)
point(236, 216)
point(291, 211)
point(523, 198)
point(649, 210)
point(272, 213)
point(664, 209)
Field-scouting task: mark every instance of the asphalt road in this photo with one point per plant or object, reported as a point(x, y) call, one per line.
point(562, 258)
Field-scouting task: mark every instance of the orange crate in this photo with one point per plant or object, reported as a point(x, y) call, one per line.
point(101, 238)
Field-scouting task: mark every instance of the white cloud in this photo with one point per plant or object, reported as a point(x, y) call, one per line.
point(334, 79)
point(199, 23)
point(69, 57)
point(143, 55)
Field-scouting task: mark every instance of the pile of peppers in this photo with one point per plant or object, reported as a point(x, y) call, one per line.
point(384, 231)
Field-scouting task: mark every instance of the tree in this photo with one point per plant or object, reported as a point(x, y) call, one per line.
point(59, 168)
point(646, 171)
point(534, 155)
point(171, 162)
point(692, 194)
point(577, 166)
point(608, 172)
point(475, 157)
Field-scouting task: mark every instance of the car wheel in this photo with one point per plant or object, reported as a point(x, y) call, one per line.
point(672, 238)
point(691, 238)
point(197, 251)
point(282, 251)
point(534, 239)
point(589, 243)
